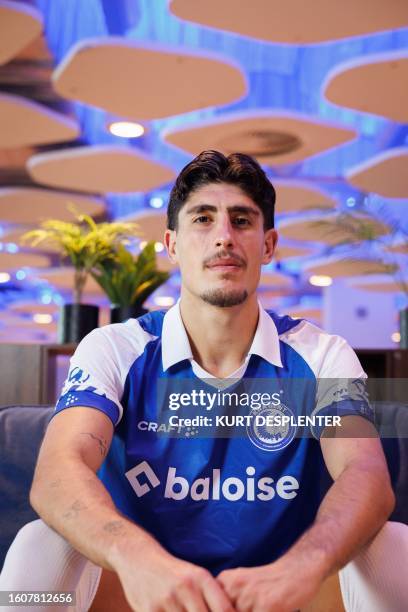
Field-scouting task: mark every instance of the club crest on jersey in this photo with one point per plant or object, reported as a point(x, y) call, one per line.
point(271, 437)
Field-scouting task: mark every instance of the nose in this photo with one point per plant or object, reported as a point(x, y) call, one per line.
point(224, 236)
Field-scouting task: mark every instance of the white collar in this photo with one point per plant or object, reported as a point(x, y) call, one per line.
point(176, 346)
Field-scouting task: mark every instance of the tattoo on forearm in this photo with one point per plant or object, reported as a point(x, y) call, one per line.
point(114, 527)
point(103, 445)
point(74, 509)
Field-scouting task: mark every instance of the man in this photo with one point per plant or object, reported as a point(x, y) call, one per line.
point(193, 522)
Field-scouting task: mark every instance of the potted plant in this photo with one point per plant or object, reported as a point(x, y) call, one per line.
point(85, 243)
point(128, 281)
point(383, 237)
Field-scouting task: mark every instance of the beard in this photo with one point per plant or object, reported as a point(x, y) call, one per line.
point(223, 298)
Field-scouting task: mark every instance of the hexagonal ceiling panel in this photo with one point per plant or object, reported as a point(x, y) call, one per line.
point(145, 81)
point(304, 312)
point(31, 206)
point(63, 278)
point(293, 21)
point(272, 137)
point(30, 308)
point(400, 247)
point(152, 225)
point(15, 237)
point(344, 266)
point(388, 285)
point(385, 174)
point(376, 84)
point(99, 169)
point(14, 261)
point(20, 24)
point(26, 123)
point(270, 280)
point(287, 252)
point(330, 229)
point(295, 196)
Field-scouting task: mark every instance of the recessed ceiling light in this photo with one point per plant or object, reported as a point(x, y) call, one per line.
point(42, 318)
point(156, 202)
point(126, 129)
point(4, 277)
point(396, 337)
point(320, 280)
point(164, 300)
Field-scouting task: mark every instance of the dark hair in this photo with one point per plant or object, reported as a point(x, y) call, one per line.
point(214, 167)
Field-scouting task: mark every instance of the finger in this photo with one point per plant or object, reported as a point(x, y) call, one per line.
point(216, 598)
point(191, 599)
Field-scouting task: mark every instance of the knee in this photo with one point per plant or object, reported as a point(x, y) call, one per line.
point(33, 533)
point(392, 534)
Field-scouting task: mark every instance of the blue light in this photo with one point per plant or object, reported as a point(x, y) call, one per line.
point(20, 275)
point(156, 202)
point(46, 298)
point(351, 202)
point(11, 247)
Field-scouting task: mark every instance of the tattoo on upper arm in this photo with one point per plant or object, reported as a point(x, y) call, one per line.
point(114, 527)
point(103, 445)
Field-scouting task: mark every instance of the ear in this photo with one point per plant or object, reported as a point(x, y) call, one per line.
point(270, 242)
point(170, 244)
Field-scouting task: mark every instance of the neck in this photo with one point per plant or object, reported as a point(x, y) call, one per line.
point(219, 337)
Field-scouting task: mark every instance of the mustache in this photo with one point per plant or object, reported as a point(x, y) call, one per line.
point(209, 261)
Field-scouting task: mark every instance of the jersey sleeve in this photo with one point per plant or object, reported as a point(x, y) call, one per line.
point(94, 379)
point(341, 384)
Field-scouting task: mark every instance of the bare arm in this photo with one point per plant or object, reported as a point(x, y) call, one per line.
point(70, 498)
point(66, 492)
point(360, 500)
point(354, 509)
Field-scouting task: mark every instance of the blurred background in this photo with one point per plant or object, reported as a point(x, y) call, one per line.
point(103, 102)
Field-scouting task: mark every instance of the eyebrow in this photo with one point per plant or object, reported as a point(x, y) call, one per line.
point(237, 208)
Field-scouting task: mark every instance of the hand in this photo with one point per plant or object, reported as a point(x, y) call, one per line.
point(279, 587)
point(156, 581)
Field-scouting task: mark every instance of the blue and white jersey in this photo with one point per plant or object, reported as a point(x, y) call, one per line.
point(219, 502)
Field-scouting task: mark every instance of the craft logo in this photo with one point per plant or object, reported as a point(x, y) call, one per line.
point(271, 437)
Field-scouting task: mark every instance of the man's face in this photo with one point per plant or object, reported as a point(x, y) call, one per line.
point(220, 244)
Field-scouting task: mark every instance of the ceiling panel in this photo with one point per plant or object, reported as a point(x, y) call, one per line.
point(24, 123)
point(305, 312)
point(31, 308)
point(374, 84)
point(31, 206)
point(63, 278)
point(14, 261)
point(151, 225)
point(386, 174)
point(99, 169)
point(20, 24)
point(345, 266)
point(172, 80)
point(287, 252)
point(330, 228)
point(272, 137)
point(295, 196)
point(292, 21)
point(15, 237)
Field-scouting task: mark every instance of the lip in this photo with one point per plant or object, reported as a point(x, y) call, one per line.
point(225, 266)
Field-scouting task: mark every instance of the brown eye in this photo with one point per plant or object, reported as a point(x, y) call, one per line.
point(202, 219)
point(241, 221)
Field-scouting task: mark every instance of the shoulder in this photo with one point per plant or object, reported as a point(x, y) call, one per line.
point(119, 343)
point(328, 355)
